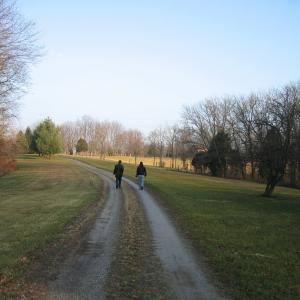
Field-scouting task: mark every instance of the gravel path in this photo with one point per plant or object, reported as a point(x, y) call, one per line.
point(132, 251)
point(83, 275)
point(136, 273)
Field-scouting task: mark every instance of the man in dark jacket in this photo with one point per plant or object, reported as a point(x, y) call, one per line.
point(141, 172)
point(118, 172)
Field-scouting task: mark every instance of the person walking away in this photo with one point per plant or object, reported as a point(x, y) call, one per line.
point(141, 172)
point(118, 172)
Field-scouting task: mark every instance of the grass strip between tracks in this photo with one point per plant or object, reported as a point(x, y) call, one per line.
point(251, 243)
point(36, 203)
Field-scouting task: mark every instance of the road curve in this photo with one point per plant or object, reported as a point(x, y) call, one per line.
point(84, 274)
point(184, 272)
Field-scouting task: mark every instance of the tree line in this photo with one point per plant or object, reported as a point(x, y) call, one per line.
point(106, 138)
point(247, 137)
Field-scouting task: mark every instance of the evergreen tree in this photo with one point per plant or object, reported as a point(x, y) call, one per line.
point(47, 138)
point(272, 161)
point(81, 145)
point(30, 141)
point(219, 153)
point(200, 162)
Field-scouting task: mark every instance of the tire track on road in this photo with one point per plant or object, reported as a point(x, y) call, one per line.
point(83, 274)
point(187, 275)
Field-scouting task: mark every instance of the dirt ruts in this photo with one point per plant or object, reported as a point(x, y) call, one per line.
point(136, 273)
point(83, 274)
point(161, 254)
point(187, 275)
point(116, 259)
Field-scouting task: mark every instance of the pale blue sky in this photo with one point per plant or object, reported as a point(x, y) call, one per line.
point(139, 62)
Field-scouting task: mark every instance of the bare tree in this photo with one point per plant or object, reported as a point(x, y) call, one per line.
point(186, 145)
point(153, 145)
point(18, 51)
point(134, 143)
point(87, 128)
point(115, 138)
point(70, 135)
point(195, 121)
point(101, 137)
point(172, 137)
point(160, 134)
point(245, 126)
point(206, 118)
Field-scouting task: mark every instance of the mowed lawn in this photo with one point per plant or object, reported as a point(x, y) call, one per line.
point(251, 243)
point(36, 202)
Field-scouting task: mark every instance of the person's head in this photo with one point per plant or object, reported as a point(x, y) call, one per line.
point(120, 161)
point(141, 163)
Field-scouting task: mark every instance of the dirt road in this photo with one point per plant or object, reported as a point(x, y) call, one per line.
point(133, 251)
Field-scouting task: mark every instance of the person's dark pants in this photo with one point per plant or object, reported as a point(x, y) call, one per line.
point(118, 181)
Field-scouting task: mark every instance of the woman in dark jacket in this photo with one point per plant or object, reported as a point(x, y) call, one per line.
point(141, 172)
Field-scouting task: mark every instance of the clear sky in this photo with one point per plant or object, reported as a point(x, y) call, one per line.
point(138, 62)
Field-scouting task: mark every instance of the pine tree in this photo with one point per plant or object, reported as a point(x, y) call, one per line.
point(47, 138)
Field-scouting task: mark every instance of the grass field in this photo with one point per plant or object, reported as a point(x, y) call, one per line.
point(36, 202)
point(251, 243)
point(149, 161)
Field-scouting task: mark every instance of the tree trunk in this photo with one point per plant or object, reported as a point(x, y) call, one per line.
point(298, 173)
point(242, 169)
point(292, 169)
point(252, 170)
point(271, 184)
point(224, 170)
point(172, 156)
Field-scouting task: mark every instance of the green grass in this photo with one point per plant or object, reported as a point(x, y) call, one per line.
point(36, 202)
point(251, 243)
